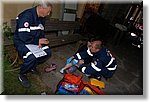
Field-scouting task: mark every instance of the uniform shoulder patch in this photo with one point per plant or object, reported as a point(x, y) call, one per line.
point(26, 24)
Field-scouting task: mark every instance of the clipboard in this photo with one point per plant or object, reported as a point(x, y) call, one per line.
point(37, 52)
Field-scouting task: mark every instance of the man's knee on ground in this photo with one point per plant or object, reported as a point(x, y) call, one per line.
point(108, 75)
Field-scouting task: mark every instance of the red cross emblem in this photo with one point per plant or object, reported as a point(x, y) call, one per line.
point(26, 24)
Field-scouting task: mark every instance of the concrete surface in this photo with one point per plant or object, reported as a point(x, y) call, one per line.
point(127, 80)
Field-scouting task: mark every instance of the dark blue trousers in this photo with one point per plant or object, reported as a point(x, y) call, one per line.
point(31, 61)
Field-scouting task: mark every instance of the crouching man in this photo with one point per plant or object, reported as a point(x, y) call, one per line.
point(94, 60)
point(30, 31)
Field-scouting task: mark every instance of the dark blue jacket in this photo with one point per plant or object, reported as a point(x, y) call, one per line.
point(102, 63)
point(29, 28)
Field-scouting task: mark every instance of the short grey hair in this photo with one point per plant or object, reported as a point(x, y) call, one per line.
point(45, 4)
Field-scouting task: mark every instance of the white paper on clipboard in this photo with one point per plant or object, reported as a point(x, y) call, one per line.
point(37, 52)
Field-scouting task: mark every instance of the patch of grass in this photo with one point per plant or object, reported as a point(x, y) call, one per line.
point(12, 86)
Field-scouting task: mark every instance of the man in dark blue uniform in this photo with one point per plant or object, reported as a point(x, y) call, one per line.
point(30, 30)
point(94, 61)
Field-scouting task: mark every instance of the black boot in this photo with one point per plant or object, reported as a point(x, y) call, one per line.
point(24, 80)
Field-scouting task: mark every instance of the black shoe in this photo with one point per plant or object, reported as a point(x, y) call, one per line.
point(98, 78)
point(24, 81)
